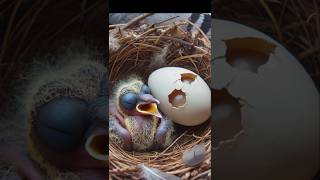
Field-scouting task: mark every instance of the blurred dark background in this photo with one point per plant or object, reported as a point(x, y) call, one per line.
point(34, 28)
point(293, 23)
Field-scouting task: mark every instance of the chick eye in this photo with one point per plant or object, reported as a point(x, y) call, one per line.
point(61, 123)
point(129, 100)
point(145, 89)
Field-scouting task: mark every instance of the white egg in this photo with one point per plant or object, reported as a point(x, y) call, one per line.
point(184, 96)
point(278, 123)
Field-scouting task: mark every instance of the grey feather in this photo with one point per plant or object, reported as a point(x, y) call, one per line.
point(195, 155)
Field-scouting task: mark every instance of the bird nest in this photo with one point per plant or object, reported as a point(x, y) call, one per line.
point(140, 48)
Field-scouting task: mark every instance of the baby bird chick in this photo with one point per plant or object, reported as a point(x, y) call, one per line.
point(135, 122)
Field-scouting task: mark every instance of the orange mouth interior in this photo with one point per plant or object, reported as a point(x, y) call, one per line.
point(148, 109)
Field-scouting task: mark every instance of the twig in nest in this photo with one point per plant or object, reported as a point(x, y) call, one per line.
point(115, 25)
point(159, 60)
point(208, 42)
point(164, 33)
point(153, 25)
point(136, 19)
point(205, 173)
point(179, 41)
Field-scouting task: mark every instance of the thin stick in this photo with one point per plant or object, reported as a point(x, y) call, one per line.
point(179, 41)
point(273, 19)
point(201, 174)
point(72, 20)
point(115, 25)
point(308, 52)
point(136, 19)
point(7, 34)
point(164, 21)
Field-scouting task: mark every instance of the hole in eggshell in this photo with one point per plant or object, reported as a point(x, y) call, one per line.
point(177, 98)
point(248, 53)
point(226, 113)
point(188, 77)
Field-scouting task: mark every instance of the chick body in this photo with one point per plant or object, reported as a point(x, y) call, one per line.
point(133, 130)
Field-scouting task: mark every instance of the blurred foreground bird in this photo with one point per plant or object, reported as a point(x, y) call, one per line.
point(63, 122)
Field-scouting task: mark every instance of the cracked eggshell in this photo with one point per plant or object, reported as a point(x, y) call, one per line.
point(280, 115)
point(184, 96)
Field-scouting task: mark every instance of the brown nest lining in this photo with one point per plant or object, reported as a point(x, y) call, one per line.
point(139, 49)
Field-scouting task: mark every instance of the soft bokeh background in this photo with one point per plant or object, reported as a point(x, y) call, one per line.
point(293, 23)
point(34, 28)
point(38, 30)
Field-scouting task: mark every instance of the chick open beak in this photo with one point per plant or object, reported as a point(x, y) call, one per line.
point(148, 105)
point(148, 109)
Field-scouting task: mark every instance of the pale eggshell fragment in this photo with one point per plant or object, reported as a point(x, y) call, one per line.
point(184, 96)
point(224, 72)
point(280, 121)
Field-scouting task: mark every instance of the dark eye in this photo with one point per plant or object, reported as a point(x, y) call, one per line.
point(129, 100)
point(145, 89)
point(61, 123)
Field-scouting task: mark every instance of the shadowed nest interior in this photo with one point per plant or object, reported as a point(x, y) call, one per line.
point(140, 49)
